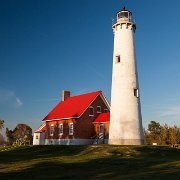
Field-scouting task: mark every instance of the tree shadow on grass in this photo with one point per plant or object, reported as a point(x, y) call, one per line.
point(118, 164)
point(38, 152)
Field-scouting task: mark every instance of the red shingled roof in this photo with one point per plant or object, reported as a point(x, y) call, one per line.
point(73, 106)
point(103, 118)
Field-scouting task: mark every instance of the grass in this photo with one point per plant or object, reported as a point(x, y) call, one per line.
point(89, 162)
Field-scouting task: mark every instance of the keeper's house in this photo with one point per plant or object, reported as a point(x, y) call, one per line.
point(76, 120)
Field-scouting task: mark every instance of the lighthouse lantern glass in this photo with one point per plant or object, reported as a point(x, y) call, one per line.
point(124, 15)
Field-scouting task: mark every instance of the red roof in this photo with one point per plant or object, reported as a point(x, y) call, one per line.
point(72, 107)
point(103, 118)
point(42, 128)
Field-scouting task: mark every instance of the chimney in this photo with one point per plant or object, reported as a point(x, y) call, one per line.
point(65, 95)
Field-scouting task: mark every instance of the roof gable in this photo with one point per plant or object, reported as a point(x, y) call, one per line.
point(41, 129)
point(72, 107)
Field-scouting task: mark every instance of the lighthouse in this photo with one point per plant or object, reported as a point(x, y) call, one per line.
point(125, 116)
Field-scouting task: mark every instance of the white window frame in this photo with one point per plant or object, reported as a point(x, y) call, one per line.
point(106, 110)
point(52, 131)
point(136, 92)
point(61, 129)
point(89, 111)
point(71, 128)
point(97, 109)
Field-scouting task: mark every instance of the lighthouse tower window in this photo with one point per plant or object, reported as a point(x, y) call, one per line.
point(118, 59)
point(136, 93)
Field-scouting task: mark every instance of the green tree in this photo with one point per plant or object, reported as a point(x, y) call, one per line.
point(1, 124)
point(9, 135)
point(154, 129)
point(147, 139)
point(164, 135)
point(1, 127)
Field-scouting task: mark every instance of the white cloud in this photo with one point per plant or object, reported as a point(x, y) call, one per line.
point(170, 112)
point(18, 102)
point(9, 98)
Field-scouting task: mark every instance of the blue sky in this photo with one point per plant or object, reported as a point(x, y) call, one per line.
point(47, 46)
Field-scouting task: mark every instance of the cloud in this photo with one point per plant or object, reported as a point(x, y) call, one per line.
point(18, 102)
point(9, 98)
point(171, 112)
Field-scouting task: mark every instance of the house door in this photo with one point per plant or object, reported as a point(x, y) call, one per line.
point(101, 131)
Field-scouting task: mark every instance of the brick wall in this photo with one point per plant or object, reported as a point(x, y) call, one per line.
point(83, 127)
point(106, 129)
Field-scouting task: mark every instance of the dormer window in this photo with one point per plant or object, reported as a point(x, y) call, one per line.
point(91, 111)
point(98, 109)
point(106, 110)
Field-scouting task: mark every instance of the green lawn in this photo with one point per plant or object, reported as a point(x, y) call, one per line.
point(89, 162)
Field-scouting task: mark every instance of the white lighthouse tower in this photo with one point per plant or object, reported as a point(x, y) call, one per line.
point(125, 115)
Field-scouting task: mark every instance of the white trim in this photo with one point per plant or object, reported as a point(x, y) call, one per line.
point(70, 141)
point(101, 122)
point(75, 141)
point(61, 119)
point(105, 101)
point(51, 134)
point(71, 133)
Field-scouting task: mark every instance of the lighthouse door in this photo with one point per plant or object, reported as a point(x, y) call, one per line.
point(101, 131)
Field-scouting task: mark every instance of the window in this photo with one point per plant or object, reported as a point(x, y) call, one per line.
point(123, 15)
point(91, 111)
point(61, 129)
point(106, 110)
point(98, 109)
point(118, 59)
point(136, 93)
point(37, 137)
point(51, 130)
point(71, 129)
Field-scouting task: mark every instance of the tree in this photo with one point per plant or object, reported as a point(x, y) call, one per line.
point(22, 134)
point(9, 135)
point(161, 134)
point(1, 124)
point(164, 135)
point(1, 127)
point(147, 139)
point(154, 129)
